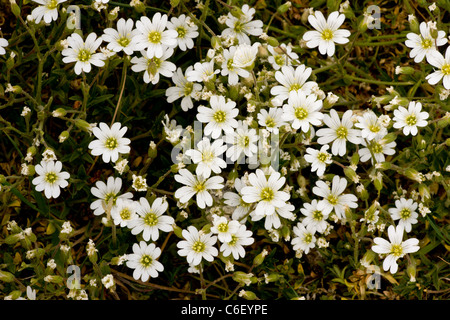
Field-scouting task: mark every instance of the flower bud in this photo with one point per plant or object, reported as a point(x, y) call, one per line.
point(284, 7)
point(6, 276)
point(83, 125)
point(260, 258)
point(404, 70)
point(368, 258)
point(273, 42)
point(249, 295)
point(272, 277)
point(411, 270)
point(15, 8)
point(216, 43)
point(236, 12)
point(178, 231)
point(413, 23)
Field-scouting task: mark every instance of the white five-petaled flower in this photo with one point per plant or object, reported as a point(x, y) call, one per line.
point(233, 199)
point(281, 56)
point(442, 63)
point(224, 228)
point(153, 35)
point(333, 198)
point(272, 120)
point(338, 132)
point(315, 215)
point(265, 192)
point(242, 142)
point(239, 238)
point(371, 126)
point(155, 65)
point(208, 157)
point(151, 219)
point(377, 147)
point(202, 72)
point(405, 211)
point(303, 110)
point(183, 89)
point(123, 212)
point(229, 69)
point(291, 79)
point(185, 29)
point(327, 32)
point(144, 261)
point(197, 246)
point(319, 159)
point(50, 178)
point(424, 45)
point(107, 193)
point(122, 39)
point(245, 55)
point(411, 118)
point(83, 52)
point(395, 248)
point(304, 239)
point(110, 141)
point(220, 117)
point(272, 220)
point(197, 185)
point(240, 28)
point(47, 11)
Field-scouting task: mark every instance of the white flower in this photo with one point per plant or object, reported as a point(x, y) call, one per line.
point(153, 37)
point(139, 183)
point(243, 142)
point(266, 192)
point(243, 26)
point(202, 72)
point(273, 221)
point(185, 29)
point(230, 69)
point(208, 157)
point(281, 56)
point(291, 79)
point(411, 118)
point(271, 120)
point(224, 228)
point(405, 211)
point(395, 248)
point(108, 281)
point(183, 89)
point(50, 178)
point(143, 261)
point(378, 147)
point(333, 198)
point(371, 127)
point(3, 44)
point(155, 65)
point(220, 117)
point(424, 44)
point(304, 239)
point(150, 219)
point(302, 110)
point(123, 212)
point(110, 142)
point(437, 60)
point(122, 39)
point(327, 32)
point(338, 131)
point(245, 55)
point(239, 238)
point(197, 185)
point(233, 199)
point(318, 159)
point(315, 216)
point(107, 193)
point(48, 10)
point(66, 228)
point(83, 52)
point(197, 246)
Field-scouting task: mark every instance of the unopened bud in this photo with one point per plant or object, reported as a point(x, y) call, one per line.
point(413, 23)
point(284, 7)
point(6, 276)
point(249, 295)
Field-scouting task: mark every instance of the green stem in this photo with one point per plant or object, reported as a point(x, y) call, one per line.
point(379, 82)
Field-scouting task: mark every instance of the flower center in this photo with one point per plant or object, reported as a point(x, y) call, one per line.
point(411, 120)
point(295, 87)
point(279, 60)
point(244, 141)
point(396, 250)
point(111, 143)
point(374, 128)
point(188, 87)
point(446, 69)
point(198, 246)
point(332, 199)
point(427, 43)
point(154, 37)
point(223, 227)
point(233, 240)
point(52, 4)
point(267, 194)
point(322, 156)
point(151, 219)
point(84, 55)
point(317, 215)
point(146, 261)
point(207, 156)
point(124, 41)
point(199, 187)
point(110, 196)
point(219, 116)
point(327, 34)
point(307, 238)
point(153, 65)
point(405, 213)
point(230, 64)
point(341, 132)
point(270, 122)
point(50, 177)
point(238, 26)
point(181, 32)
point(301, 113)
point(377, 148)
point(125, 214)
